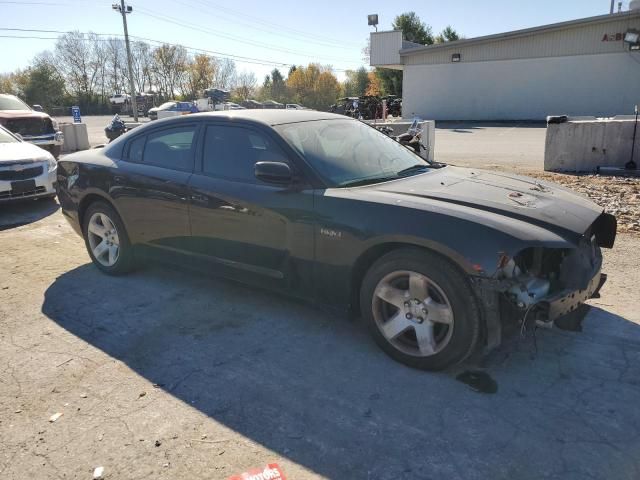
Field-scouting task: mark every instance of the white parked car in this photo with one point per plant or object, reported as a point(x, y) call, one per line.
point(26, 171)
point(120, 98)
point(172, 108)
point(295, 106)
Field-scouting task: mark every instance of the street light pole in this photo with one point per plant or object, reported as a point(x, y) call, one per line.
point(132, 87)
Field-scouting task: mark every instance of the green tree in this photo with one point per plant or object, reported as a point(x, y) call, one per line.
point(314, 86)
point(447, 35)
point(413, 29)
point(356, 82)
point(44, 86)
point(278, 86)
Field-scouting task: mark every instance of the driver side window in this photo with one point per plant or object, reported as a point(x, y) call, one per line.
point(232, 152)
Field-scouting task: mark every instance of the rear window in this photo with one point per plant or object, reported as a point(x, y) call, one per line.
point(171, 148)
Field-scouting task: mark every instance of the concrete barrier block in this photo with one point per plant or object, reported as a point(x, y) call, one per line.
point(69, 137)
point(76, 137)
point(582, 145)
point(82, 136)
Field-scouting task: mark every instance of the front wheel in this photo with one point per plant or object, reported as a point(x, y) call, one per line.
point(106, 239)
point(420, 309)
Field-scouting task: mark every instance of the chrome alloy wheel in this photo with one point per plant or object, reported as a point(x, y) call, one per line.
point(413, 313)
point(103, 239)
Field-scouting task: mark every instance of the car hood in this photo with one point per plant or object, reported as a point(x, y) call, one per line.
point(21, 153)
point(8, 114)
point(526, 199)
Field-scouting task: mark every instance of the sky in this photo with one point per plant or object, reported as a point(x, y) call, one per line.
point(273, 33)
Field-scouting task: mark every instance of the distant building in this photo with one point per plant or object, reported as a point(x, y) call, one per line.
point(580, 67)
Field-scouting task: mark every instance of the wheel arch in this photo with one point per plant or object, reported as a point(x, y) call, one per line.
point(90, 198)
point(371, 254)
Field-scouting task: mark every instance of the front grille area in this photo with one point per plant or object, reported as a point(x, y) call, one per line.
point(26, 174)
point(30, 126)
point(5, 195)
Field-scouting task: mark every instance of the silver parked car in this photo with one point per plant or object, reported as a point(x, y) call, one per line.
point(26, 171)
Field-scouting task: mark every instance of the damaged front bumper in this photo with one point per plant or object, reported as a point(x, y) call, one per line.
point(540, 285)
point(560, 304)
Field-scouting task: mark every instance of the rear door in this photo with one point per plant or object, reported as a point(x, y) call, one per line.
point(150, 187)
point(256, 231)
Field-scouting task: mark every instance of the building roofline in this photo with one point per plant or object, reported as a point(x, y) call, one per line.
point(521, 33)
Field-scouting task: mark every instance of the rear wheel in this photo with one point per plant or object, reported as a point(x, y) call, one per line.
point(420, 309)
point(106, 239)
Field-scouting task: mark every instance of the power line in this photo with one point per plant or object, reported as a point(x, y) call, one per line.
point(36, 3)
point(273, 24)
point(310, 38)
point(228, 56)
point(192, 26)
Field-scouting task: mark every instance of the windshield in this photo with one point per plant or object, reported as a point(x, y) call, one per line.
point(348, 152)
point(12, 103)
point(6, 137)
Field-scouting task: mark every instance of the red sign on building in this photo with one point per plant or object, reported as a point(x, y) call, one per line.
point(612, 37)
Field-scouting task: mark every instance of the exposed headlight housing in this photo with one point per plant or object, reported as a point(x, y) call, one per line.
point(52, 163)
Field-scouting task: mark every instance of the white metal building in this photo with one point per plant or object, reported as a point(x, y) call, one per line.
point(580, 67)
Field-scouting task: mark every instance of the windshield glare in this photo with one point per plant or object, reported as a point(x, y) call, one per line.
point(6, 137)
point(12, 103)
point(343, 152)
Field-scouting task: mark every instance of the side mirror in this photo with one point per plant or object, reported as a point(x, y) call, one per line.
point(38, 108)
point(273, 172)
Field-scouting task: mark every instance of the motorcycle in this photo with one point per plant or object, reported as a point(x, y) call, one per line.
point(412, 139)
point(115, 128)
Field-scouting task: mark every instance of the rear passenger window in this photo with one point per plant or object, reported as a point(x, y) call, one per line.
point(136, 147)
point(232, 152)
point(171, 148)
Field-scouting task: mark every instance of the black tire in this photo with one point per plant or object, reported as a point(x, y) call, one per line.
point(125, 261)
point(455, 285)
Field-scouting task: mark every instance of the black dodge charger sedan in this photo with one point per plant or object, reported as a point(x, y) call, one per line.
point(437, 259)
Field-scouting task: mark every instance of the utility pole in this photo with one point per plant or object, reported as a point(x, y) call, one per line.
point(613, 2)
point(132, 87)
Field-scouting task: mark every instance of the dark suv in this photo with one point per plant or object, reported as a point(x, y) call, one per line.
point(33, 126)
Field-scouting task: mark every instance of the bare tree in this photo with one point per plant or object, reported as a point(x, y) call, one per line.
point(142, 63)
point(77, 60)
point(225, 74)
point(245, 85)
point(199, 75)
point(116, 61)
point(169, 65)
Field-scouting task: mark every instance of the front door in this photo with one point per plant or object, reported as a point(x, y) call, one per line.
point(259, 232)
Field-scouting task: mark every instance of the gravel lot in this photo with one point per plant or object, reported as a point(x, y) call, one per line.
point(169, 374)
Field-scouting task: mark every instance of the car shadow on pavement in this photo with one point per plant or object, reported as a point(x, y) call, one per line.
point(23, 213)
point(315, 389)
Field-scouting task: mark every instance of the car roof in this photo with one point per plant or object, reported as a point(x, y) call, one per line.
point(270, 117)
point(274, 116)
